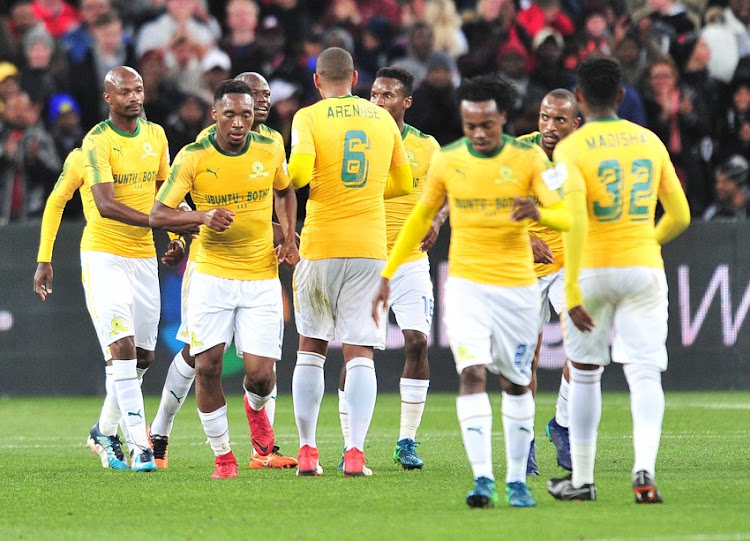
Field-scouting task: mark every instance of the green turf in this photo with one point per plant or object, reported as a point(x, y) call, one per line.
point(51, 487)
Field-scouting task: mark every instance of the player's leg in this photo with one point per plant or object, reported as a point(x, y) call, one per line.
point(469, 335)
point(180, 377)
point(641, 332)
point(359, 335)
point(211, 314)
point(314, 319)
point(412, 303)
point(259, 381)
point(587, 352)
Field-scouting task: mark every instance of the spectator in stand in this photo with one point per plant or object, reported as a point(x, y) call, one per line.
point(64, 121)
point(177, 22)
point(293, 16)
point(160, 92)
point(546, 14)
point(445, 21)
point(548, 70)
point(513, 63)
point(111, 49)
point(183, 125)
point(58, 17)
point(434, 107)
point(420, 45)
point(632, 57)
point(593, 36)
point(286, 101)
point(216, 67)
point(354, 14)
point(183, 61)
point(242, 22)
point(371, 52)
point(77, 42)
point(730, 57)
point(9, 84)
point(37, 77)
point(494, 25)
point(733, 133)
point(732, 197)
point(667, 21)
point(20, 22)
point(675, 115)
point(29, 163)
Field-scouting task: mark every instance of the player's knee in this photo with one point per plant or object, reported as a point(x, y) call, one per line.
point(635, 373)
point(144, 358)
point(473, 379)
point(415, 344)
point(207, 367)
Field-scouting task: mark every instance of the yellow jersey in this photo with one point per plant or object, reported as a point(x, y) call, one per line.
point(71, 179)
point(486, 246)
point(552, 238)
point(134, 163)
point(262, 129)
point(420, 148)
point(242, 183)
point(622, 168)
point(355, 144)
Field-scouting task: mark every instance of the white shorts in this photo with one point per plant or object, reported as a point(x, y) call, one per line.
point(183, 334)
point(494, 326)
point(552, 288)
point(632, 301)
point(249, 311)
point(411, 296)
point(122, 295)
point(333, 299)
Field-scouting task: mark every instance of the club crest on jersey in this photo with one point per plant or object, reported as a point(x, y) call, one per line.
point(258, 171)
point(148, 151)
point(506, 175)
point(412, 160)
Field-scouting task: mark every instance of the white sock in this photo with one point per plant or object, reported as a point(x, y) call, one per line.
point(308, 386)
point(127, 438)
point(343, 417)
point(180, 377)
point(361, 393)
point(271, 404)
point(130, 398)
point(585, 413)
point(647, 409)
point(216, 427)
point(110, 415)
point(518, 430)
point(413, 398)
point(561, 408)
point(257, 402)
point(140, 372)
point(475, 418)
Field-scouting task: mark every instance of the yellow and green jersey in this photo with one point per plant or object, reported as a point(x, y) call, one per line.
point(622, 168)
point(355, 144)
point(486, 246)
point(134, 163)
point(552, 238)
point(71, 179)
point(242, 183)
point(262, 129)
point(420, 148)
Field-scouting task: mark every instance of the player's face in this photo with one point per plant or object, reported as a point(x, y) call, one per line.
point(557, 118)
point(483, 125)
point(261, 98)
point(390, 94)
point(233, 115)
point(126, 98)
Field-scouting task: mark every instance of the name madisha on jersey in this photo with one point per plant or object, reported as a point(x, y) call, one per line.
point(481, 203)
point(614, 140)
point(223, 199)
point(133, 178)
point(349, 111)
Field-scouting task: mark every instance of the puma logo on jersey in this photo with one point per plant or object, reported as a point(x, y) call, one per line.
point(214, 173)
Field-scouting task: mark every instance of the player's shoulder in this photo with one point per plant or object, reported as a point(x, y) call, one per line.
point(266, 143)
point(522, 144)
point(533, 137)
point(152, 128)
point(425, 137)
point(197, 148)
point(458, 146)
point(99, 130)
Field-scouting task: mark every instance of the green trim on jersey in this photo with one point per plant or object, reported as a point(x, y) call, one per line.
point(118, 131)
point(455, 144)
point(608, 119)
point(408, 128)
point(534, 137)
point(505, 139)
point(212, 138)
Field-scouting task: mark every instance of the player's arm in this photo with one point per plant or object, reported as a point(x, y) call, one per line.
point(301, 169)
point(672, 197)
point(437, 222)
point(303, 152)
point(555, 216)
point(109, 207)
point(69, 181)
point(547, 184)
point(400, 180)
point(285, 205)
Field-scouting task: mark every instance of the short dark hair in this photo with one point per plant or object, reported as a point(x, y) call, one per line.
point(335, 64)
point(231, 86)
point(400, 74)
point(488, 87)
point(600, 80)
point(566, 95)
point(108, 17)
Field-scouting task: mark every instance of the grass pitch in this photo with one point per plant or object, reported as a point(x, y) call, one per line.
point(51, 487)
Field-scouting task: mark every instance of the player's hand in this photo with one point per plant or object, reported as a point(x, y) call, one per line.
point(43, 280)
point(524, 207)
point(431, 237)
point(581, 318)
point(542, 252)
point(288, 254)
point(380, 301)
point(175, 252)
point(218, 219)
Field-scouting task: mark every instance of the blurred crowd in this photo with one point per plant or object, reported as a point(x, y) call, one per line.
point(687, 67)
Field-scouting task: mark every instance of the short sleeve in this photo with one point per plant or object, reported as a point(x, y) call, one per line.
point(179, 180)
